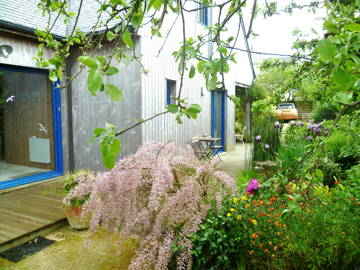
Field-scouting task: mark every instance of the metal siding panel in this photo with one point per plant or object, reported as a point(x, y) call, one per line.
point(92, 112)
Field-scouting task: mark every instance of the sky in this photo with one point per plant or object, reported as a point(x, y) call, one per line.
point(276, 32)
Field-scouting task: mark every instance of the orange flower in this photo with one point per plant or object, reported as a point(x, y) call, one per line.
point(268, 203)
point(271, 209)
point(266, 250)
point(254, 235)
point(260, 245)
point(337, 182)
point(270, 221)
point(251, 253)
point(273, 256)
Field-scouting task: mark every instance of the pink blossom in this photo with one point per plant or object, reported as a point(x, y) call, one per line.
point(253, 186)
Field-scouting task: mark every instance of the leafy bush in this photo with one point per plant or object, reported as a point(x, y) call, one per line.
point(268, 143)
point(71, 181)
point(324, 112)
point(161, 194)
point(291, 226)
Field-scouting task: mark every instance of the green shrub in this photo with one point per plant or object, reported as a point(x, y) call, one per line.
point(296, 226)
point(324, 112)
point(264, 126)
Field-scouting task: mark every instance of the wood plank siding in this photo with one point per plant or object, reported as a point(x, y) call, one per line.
point(30, 209)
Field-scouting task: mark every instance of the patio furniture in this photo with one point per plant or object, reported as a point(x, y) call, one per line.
point(209, 144)
point(240, 137)
point(199, 150)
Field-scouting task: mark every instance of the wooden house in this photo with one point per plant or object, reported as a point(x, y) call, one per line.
point(45, 130)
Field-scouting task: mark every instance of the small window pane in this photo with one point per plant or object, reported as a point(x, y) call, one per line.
point(170, 92)
point(203, 14)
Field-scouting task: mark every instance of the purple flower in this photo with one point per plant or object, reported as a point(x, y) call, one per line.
point(309, 138)
point(253, 186)
point(276, 124)
point(310, 127)
point(292, 123)
point(266, 146)
point(300, 124)
point(258, 138)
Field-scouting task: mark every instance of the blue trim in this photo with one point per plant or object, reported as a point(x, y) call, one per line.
point(58, 153)
point(222, 115)
point(168, 93)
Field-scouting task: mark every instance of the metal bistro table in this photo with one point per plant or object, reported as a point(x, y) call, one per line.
point(209, 144)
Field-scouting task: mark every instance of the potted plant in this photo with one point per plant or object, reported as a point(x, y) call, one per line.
point(73, 205)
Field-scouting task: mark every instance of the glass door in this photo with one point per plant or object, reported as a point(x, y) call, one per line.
point(218, 123)
point(29, 138)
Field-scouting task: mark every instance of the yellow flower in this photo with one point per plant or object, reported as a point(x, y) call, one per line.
point(228, 214)
point(239, 217)
point(244, 198)
point(232, 209)
point(235, 200)
point(254, 222)
point(247, 205)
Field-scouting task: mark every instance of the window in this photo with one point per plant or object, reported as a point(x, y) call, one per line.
point(170, 92)
point(203, 14)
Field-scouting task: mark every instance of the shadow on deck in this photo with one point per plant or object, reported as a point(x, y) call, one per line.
point(29, 212)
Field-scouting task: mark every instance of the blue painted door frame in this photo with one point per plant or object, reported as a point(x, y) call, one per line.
point(56, 106)
point(218, 116)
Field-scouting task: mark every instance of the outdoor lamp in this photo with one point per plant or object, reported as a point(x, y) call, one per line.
point(5, 50)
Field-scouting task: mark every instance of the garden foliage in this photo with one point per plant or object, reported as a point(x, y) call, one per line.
point(304, 216)
point(160, 194)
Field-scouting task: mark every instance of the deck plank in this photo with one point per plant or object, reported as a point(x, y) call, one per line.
point(29, 209)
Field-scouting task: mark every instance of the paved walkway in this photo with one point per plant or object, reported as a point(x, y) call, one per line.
point(236, 160)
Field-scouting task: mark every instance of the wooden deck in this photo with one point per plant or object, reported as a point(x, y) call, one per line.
point(25, 212)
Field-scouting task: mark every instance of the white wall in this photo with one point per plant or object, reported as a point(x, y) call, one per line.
point(162, 66)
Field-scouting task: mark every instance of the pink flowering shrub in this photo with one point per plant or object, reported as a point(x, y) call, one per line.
point(161, 194)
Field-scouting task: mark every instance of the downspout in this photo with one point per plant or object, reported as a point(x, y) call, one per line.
point(70, 114)
point(248, 103)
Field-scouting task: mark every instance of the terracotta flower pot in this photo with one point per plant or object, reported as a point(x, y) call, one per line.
point(75, 218)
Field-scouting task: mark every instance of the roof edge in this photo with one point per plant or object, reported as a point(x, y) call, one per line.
point(23, 29)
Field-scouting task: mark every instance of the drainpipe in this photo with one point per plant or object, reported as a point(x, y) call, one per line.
point(248, 103)
point(70, 115)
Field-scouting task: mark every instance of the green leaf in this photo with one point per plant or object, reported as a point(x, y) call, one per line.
point(192, 72)
point(110, 36)
point(212, 82)
point(136, 19)
point(201, 66)
point(356, 59)
point(354, 27)
point(40, 50)
point(173, 108)
point(53, 76)
point(88, 61)
point(96, 133)
point(101, 59)
point(341, 77)
point(222, 50)
point(113, 92)
point(126, 38)
point(109, 151)
point(111, 71)
point(319, 173)
point(94, 81)
point(327, 50)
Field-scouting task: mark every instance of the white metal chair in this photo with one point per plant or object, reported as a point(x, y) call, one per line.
point(240, 137)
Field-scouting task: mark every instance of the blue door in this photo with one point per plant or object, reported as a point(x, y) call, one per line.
point(218, 109)
point(30, 126)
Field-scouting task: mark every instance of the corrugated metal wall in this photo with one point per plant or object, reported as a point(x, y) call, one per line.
point(161, 67)
point(90, 112)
